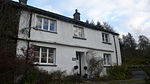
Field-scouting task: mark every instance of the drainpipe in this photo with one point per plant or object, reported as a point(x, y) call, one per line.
point(29, 34)
point(115, 49)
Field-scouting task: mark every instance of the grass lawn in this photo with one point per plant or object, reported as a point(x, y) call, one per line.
point(137, 61)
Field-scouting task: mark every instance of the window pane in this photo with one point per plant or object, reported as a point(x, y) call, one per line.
point(51, 55)
point(45, 24)
point(109, 60)
point(50, 58)
point(39, 22)
point(52, 25)
point(106, 37)
point(104, 59)
point(78, 32)
point(36, 53)
point(103, 37)
point(44, 55)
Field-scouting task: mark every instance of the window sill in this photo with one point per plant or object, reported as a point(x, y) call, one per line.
point(79, 38)
point(53, 65)
point(106, 43)
point(107, 66)
point(45, 30)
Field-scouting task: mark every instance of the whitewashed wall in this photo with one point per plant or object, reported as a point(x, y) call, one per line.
point(64, 35)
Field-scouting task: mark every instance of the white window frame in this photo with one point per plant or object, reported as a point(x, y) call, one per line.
point(106, 61)
point(40, 54)
point(82, 31)
point(49, 21)
point(104, 37)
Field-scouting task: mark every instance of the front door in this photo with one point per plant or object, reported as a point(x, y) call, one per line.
point(80, 56)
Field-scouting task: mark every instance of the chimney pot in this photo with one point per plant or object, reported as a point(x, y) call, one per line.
point(76, 15)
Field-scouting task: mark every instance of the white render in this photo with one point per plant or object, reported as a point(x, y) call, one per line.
point(66, 46)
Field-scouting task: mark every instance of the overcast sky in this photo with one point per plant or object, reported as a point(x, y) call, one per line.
point(123, 15)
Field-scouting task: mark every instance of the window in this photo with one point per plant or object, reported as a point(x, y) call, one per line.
point(78, 32)
point(107, 59)
point(46, 24)
point(105, 38)
point(44, 55)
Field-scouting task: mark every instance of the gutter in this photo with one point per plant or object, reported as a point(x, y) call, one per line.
point(29, 34)
point(115, 49)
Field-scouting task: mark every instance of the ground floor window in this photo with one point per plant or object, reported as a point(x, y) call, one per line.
point(44, 55)
point(107, 59)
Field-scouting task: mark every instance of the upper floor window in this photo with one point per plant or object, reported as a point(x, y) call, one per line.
point(107, 59)
point(78, 32)
point(44, 55)
point(46, 24)
point(105, 38)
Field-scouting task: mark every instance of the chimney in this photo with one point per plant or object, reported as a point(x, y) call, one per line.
point(24, 2)
point(76, 15)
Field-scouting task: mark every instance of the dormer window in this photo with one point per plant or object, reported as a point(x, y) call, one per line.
point(45, 24)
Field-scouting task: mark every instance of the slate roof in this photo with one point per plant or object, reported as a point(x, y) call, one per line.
point(60, 17)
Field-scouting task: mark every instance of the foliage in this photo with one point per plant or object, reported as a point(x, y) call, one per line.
point(105, 25)
point(73, 78)
point(137, 61)
point(108, 27)
point(147, 71)
point(58, 74)
point(98, 23)
point(132, 49)
point(143, 42)
point(143, 45)
point(36, 76)
point(128, 44)
point(119, 72)
point(10, 66)
point(87, 21)
point(95, 64)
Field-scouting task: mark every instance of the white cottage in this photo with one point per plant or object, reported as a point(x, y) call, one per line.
point(60, 42)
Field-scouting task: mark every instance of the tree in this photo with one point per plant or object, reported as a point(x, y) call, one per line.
point(128, 46)
point(143, 45)
point(87, 21)
point(9, 20)
point(98, 24)
point(108, 27)
point(92, 22)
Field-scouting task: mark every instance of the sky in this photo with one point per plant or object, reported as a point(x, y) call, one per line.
point(123, 15)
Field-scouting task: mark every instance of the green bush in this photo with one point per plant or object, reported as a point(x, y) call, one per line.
point(35, 76)
point(119, 72)
point(146, 69)
point(73, 78)
point(58, 74)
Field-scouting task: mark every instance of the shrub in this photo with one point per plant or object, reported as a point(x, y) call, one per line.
point(146, 69)
point(73, 78)
point(58, 74)
point(119, 72)
point(35, 76)
point(95, 64)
